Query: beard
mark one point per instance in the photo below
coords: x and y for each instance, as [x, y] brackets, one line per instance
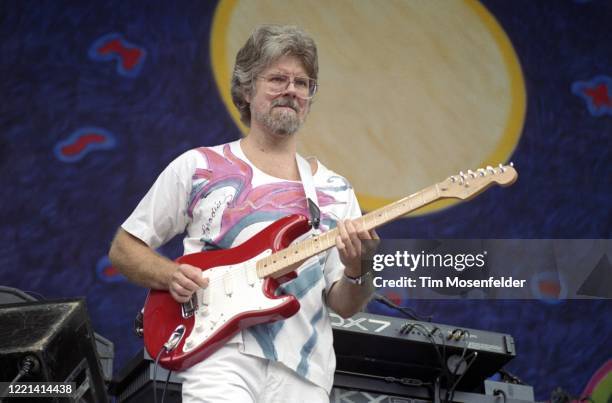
[280, 121]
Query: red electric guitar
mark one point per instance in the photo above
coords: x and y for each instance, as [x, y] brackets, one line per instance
[242, 280]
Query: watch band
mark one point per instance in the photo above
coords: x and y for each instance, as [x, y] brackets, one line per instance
[357, 280]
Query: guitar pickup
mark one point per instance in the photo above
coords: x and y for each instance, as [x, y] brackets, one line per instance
[228, 284]
[205, 301]
[205, 293]
[251, 275]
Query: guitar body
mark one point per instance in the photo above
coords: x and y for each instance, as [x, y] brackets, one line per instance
[236, 298]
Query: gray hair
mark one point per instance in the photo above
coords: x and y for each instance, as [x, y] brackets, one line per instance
[267, 44]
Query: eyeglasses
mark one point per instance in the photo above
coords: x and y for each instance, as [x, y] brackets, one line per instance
[305, 87]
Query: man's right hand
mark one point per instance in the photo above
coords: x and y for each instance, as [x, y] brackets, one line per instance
[186, 280]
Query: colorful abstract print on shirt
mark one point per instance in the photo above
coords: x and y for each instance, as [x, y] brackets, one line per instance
[250, 205]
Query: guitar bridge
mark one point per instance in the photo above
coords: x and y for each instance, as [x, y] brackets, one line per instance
[188, 308]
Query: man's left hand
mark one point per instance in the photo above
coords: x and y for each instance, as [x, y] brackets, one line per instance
[350, 245]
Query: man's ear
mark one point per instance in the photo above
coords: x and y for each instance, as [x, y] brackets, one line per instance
[247, 96]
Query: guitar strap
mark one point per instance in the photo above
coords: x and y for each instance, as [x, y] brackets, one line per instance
[310, 191]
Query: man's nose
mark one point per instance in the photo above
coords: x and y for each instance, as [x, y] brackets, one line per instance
[291, 88]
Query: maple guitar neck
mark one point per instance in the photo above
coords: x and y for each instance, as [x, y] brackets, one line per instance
[281, 263]
[461, 186]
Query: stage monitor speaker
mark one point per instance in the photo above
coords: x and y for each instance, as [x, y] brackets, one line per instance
[104, 347]
[58, 337]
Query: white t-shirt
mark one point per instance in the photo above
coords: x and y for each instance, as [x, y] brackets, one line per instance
[221, 199]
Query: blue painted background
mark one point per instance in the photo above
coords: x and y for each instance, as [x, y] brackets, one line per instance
[60, 206]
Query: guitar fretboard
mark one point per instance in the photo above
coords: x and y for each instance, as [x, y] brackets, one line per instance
[280, 263]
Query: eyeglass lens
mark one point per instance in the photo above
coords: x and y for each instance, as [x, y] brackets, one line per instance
[305, 87]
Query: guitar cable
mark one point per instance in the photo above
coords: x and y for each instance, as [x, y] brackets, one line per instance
[29, 365]
[403, 309]
[461, 334]
[161, 351]
[173, 341]
[390, 379]
[473, 357]
[444, 370]
[166, 386]
[429, 334]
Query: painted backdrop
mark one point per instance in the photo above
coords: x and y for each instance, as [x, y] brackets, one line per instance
[97, 97]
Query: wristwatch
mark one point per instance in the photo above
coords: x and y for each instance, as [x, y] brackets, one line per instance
[357, 280]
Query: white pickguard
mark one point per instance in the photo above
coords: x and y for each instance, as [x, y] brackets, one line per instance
[232, 290]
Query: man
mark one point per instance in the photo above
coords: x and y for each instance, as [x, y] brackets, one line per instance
[222, 196]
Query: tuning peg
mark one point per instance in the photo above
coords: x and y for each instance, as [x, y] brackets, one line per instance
[453, 179]
[511, 164]
[491, 169]
[501, 168]
[482, 172]
[461, 177]
[471, 173]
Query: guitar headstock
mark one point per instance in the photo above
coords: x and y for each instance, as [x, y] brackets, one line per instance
[467, 185]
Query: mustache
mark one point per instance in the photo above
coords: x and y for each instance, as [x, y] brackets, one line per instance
[292, 103]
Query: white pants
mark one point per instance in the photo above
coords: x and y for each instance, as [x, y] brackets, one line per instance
[231, 376]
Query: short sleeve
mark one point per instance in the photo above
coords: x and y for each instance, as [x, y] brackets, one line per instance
[162, 213]
[334, 268]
